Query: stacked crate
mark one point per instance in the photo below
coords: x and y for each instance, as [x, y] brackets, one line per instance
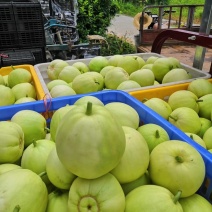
[22, 32]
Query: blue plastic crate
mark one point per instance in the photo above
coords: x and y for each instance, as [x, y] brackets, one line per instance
[146, 115]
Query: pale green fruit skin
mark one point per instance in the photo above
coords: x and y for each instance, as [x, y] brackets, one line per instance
[24, 89]
[207, 138]
[151, 59]
[160, 68]
[102, 194]
[55, 82]
[29, 185]
[5, 77]
[7, 96]
[25, 100]
[197, 139]
[144, 77]
[86, 99]
[97, 77]
[70, 84]
[114, 59]
[36, 154]
[33, 125]
[82, 67]
[183, 98]
[210, 150]
[11, 142]
[62, 90]
[115, 77]
[124, 114]
[98, 63]
[129, 63]
[135, 159]
[195, 203]
[58, 175]
[205, 124]
[105, 70]
[186, 119]
[175, 62]
[165, 170]
[141, 61]
[88, 82]
[91, 152]
[8, 167]
[147, 66]
[205, 106]
[57, 201]
[2, 80]
[200, 87]
[153, 134]
[159, 106]
[211, 114]
[68, 73]
[18, 75]
[56, 118]
[55, 67]
[128, 84]
[176, 74]
[156, 83]
[152, 198]
[142, 180]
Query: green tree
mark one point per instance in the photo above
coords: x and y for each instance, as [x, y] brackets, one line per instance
[95, 16]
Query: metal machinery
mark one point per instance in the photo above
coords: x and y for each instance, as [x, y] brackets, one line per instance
[36, 31]
[62, 38]
[22, 37]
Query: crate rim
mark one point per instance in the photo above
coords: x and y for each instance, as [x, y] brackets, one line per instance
[48, 103]
[206, 75]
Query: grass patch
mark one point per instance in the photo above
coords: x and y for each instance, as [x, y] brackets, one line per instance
[117, 45]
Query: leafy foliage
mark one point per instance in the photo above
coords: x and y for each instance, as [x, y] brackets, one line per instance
[117, 45]
[95, 16]
[157, 2]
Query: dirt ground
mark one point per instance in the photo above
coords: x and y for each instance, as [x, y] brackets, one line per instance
[123, 26]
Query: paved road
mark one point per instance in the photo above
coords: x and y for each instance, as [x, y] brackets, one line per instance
[122, 26]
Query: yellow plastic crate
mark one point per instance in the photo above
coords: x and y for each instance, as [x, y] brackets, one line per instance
[36, 82]
[160, 92]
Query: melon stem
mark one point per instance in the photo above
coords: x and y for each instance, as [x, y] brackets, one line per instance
[12, 67]
[97, 82]
[144, 100]
[172, 118]
[42, 174]
[58, 192]
[179, 159]
[17, 208]
[34, 143]
[199, 100]
[177, 196]
[89, 108]
[47, 129]
[157, 134]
